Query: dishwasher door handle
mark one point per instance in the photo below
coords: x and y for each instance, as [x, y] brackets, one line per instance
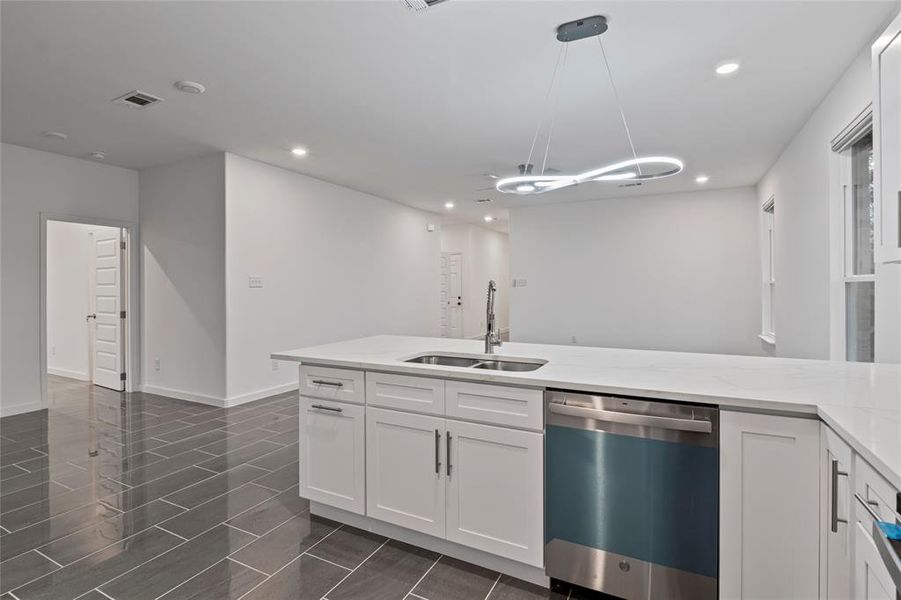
[695, 425]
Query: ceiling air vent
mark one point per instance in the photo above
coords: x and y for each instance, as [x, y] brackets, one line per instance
[137, 99]
[417, 5]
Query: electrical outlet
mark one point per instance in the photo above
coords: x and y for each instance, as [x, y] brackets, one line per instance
[156, 363]
[573, 340]
[275, 365]
[52, 350]
[254, 282]
[519, 283]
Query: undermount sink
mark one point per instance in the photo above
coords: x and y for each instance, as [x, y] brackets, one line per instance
[447, 361]
[488, 362]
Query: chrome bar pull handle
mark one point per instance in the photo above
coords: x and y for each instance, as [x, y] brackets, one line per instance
[328, 408]
[324, 382]
[449, 454]
[437, 452]
[868, 504]
[836, 473]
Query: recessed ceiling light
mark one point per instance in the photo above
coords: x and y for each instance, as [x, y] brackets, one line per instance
[727, 68]
[525, 187]
[190, 87]
[299, 151]
[702, 179]
[448, 205]
[488, 218]
[98, 155]
[56, 135]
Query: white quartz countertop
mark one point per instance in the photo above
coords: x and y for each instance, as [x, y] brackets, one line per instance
[861, 402]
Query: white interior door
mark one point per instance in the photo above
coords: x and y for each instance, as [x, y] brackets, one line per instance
[108, 339]
[452, 295]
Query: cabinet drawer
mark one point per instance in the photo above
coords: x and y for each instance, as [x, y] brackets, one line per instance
[332, 453]
[416, 394]
[495, 404]
[344, 385]
[875, 491]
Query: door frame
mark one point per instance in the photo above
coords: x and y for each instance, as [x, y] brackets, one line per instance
[130, 267]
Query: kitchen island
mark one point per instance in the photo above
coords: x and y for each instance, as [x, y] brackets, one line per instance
[830, 431]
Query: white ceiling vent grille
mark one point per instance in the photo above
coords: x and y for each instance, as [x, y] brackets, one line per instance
[417, 5]
[137, 99]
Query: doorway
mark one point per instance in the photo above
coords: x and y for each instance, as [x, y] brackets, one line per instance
[451, 294]
[85, 304]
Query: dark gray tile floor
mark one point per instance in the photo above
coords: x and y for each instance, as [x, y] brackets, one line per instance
[136, 496]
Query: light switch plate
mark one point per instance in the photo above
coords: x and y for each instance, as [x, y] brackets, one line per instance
[254, 282]
[519, 283]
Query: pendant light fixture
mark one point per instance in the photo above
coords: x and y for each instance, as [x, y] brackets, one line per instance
[637, 168]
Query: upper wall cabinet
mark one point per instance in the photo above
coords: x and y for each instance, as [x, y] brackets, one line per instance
[887, 140]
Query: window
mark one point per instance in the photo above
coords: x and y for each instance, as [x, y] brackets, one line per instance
[854, 271]
[768, 291]
[859, 276]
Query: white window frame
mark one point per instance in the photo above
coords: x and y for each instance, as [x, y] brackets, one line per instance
[841, 234]
[768, 271]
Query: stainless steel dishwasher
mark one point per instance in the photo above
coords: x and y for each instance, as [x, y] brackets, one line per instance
[632, 495]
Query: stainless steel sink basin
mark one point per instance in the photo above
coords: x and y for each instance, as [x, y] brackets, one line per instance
[447, 361]
[487, 362]
[507, 365]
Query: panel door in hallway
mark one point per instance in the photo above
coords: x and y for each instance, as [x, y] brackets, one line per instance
[451, 295]
[107, 336]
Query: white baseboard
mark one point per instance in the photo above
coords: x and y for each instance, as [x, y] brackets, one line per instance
[251, 396]
[219, 402]
[79, 375]
[17, 409]
[182, 395]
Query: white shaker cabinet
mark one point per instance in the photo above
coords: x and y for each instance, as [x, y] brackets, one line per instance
[495, 497]
[873, 497]
[332, 465]
[837, 518]
[406, 472]
[769, 500]
[886, 61]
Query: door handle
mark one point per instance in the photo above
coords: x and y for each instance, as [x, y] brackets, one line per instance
[695, 425]
[328, 408]
[448, 453]
[835, 475]
[437, 452]
[323, 382]
[91, 316]
[869, 504]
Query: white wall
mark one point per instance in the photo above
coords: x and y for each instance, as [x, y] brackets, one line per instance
[486, 256]
[68, 298]
[183, 288]
[800, 182]
[671, 272]
[335, 264]
[34, 182]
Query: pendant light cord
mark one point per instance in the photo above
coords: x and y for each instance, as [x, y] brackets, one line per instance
[544, 105]
[619, 103]
[550, 131]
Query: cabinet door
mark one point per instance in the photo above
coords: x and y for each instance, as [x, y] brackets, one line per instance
[332, 453]
[886, 60]
[405, 475]
[769, 506]
[836, 526]
[495, 492]
[871, 579]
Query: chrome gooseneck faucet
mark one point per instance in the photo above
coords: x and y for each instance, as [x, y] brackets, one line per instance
[492, 335]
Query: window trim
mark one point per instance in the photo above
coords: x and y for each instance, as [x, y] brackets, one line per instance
[841, 234]
[768, 271]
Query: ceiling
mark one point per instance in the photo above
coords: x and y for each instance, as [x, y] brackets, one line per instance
[418, 107]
